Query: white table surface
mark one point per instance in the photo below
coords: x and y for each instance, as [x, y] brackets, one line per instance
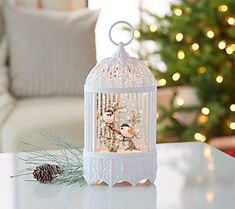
[190, 176]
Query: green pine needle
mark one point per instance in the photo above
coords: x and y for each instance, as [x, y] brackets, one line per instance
[67, 157]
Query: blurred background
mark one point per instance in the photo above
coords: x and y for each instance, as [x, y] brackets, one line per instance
[188, 44]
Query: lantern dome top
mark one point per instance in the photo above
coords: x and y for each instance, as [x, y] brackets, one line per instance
[120, 72]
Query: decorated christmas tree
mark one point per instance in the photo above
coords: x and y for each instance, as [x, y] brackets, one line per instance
[196, 43]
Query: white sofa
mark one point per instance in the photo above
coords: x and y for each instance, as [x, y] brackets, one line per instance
[31, 118]
[27, 119]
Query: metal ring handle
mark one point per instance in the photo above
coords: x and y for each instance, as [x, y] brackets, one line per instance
[121, 22]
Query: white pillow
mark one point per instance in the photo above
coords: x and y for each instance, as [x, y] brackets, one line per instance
[51, 52]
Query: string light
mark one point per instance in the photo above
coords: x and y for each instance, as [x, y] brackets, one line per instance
[209, 197]
[202, 119]
[232, 125]
[210, 34]
[232, 107]
[178, 12]
[199, 137]
[231, 21]
[223, 8]
[176, 76]
[180, 101]
[195, 46]
[233, 46]
[162, 82]
[179, 37]
[210, 166]
[153, 28]
[201, 70]
[222, 45]
[229, 50]
[181, 54]
[137, 34]
[205, 111]
[219, 79]
[207, 152]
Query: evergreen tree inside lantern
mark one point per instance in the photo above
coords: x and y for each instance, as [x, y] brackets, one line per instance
[120, 120]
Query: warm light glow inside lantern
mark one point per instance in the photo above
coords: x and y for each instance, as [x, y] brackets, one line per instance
[120, 120]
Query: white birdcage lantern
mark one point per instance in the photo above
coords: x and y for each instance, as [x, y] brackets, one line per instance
[120, 120]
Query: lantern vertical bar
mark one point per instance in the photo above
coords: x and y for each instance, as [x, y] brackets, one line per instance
[154, 106]
[149, 121]
[101, 113]
[90, 119]
[87, 115]
[97, 121]
[93, 127]
[85, 122]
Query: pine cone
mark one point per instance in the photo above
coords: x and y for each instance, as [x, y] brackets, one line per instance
[46, 172]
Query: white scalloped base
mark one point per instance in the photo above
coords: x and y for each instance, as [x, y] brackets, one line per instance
[112, 168]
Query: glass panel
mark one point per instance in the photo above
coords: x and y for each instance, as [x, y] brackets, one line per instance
[121, 124]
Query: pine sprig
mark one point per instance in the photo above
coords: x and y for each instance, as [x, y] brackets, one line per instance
[67, 157]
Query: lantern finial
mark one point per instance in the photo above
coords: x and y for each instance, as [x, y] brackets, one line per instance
[121, 52]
